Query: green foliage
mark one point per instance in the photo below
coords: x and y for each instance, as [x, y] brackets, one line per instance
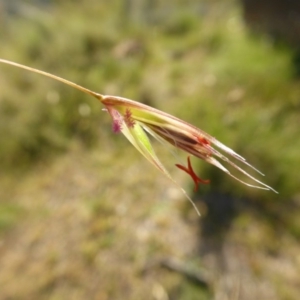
[235, 74]
[9, 215]
[202, 67]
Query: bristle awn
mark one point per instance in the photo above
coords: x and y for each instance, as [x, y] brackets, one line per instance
[250, 176]
[263, 187]
[224, 158]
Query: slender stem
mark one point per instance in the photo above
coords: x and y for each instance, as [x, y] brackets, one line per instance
[70, 83]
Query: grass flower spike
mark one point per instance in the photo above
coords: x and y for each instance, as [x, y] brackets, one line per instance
[136, 120]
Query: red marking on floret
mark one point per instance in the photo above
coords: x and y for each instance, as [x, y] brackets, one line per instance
[189, 170]
[203, 140]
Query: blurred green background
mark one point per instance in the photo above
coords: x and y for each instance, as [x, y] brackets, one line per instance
[83, 215]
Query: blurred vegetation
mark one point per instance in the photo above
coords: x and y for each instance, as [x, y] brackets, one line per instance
[193, 59]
